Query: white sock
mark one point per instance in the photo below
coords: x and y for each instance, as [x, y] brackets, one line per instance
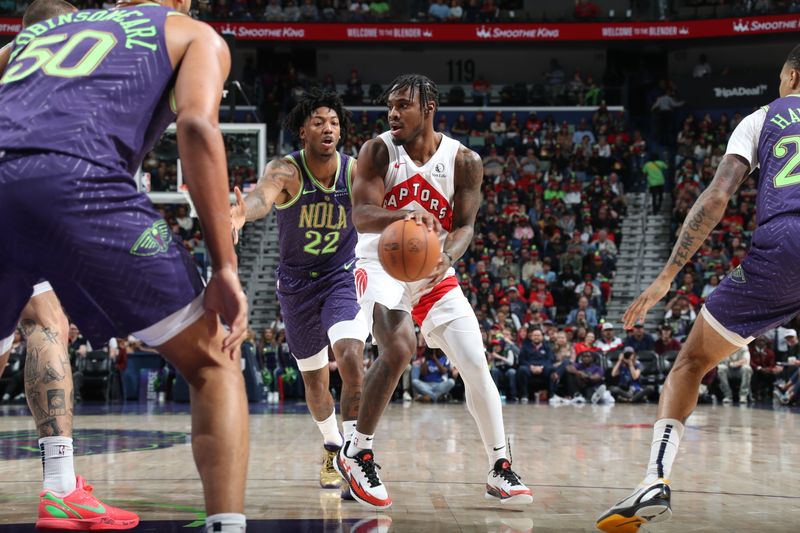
[667, 434]
[348, 427]
[360, 441]
[226, 523]
[59, 471]
[461, 342]
[330, 430]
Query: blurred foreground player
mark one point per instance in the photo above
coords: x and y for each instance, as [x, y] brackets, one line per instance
[48, 379]
[412, 172]
[81, 100]
[310, 189]
[758, 295]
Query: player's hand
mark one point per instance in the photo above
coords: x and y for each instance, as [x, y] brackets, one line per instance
[423, 218]
[650, 297]
[226, 299]
[238, 215]
[439, 272]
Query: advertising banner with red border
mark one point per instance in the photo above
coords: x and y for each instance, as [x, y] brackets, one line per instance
[533, 32]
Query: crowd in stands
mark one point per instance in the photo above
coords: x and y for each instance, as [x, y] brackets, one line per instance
[444, 11]
[540, 270]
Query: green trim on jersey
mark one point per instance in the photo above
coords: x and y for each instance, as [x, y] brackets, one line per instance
[314, 179]
[350, 164]
[293, 200]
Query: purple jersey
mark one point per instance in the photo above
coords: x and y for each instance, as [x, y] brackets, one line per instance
[315, 227]
[779, 159]
[93, 84]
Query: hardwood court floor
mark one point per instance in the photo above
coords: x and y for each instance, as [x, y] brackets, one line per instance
[738, 469]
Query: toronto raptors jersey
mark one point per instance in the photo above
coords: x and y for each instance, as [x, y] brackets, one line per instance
[409, 187]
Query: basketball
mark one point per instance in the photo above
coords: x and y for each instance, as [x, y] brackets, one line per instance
[407, 251]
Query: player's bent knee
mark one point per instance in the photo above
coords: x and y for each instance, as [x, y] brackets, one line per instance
[398, 353]
[196, 348]
[45, 310]
[216, 376]
[693, 364]
[315, 379]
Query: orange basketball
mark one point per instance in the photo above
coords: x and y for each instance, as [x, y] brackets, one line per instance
[408, 252]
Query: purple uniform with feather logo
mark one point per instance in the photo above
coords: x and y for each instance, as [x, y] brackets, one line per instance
[764, 291]
[83, 98]
[316, 287]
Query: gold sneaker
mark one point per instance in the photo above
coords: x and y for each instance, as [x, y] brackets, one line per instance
[329, 478]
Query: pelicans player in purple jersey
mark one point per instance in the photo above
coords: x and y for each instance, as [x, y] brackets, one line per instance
[760, 294]
[310, 189]
[83, 97]
[48, 372]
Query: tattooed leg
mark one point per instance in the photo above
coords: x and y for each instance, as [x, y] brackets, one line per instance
[48, 375]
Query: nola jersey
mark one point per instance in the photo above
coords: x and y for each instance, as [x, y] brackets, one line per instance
[769, 138]
[94, 85]
[409, 187]
[315, 227]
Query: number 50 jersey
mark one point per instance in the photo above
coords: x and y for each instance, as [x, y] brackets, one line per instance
[94, 84]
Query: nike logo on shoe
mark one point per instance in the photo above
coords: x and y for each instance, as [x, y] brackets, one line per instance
[99, 509]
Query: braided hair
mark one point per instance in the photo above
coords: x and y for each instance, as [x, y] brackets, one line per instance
[428, 92]
[314, 99]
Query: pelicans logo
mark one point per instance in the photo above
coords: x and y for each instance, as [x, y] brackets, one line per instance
[153, 241]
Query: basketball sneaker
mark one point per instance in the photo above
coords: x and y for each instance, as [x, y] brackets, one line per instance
[648, 503]
[81, 511]
[505, 485]
[329, 478]
[361, 474]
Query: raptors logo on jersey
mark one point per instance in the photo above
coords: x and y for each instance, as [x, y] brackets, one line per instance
[417, 189]
[429, 187]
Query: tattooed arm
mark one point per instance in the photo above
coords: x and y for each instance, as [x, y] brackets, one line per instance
[706, 213]
[703, 217]
[466, 202]
[279, 184]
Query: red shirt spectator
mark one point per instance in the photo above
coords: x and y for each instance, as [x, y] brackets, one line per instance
[541, 294]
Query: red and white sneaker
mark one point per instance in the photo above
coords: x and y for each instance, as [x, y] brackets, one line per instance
[505, 485]
[80, 511]
[361, 474]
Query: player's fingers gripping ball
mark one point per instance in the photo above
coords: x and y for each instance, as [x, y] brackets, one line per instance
[408, 251]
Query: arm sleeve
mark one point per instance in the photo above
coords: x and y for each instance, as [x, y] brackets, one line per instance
[744, 139]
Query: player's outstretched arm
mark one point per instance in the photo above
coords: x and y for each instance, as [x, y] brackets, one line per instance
[273, 186]
[703, 217]
[204, 66]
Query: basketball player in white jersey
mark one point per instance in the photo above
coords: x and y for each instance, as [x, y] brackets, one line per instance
[412, 172]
